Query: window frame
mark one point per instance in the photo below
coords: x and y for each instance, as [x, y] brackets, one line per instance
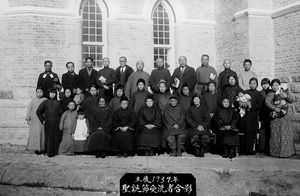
[103, 44]
[170, 46]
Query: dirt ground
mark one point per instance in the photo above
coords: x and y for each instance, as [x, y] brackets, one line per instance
[22, 173]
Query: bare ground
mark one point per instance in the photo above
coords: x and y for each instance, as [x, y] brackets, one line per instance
[22, 173]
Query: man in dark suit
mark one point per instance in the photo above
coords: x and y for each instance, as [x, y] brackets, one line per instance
[48, 79]
[123, 72]
[105, 79]
[183, 74]
[70, 79]
[87, 75]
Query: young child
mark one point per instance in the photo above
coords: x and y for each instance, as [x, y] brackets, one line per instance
[36, 139]
[89, 102]
[175, 131]
[123, 131]
[64, 102]
[49, 113]
[226, 118]
[98, 141]
[138, 98]
[114, 103]
[79, 97]
[198, 120]
[185, 99]
[149, 128]
[162, 98]
[81, 132]
[68, 125]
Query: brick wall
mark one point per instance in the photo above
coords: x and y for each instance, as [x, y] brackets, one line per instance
[287, 55]
[190, 37]
[37, 3]
[287, 44]
[231, 34]
[132, 39]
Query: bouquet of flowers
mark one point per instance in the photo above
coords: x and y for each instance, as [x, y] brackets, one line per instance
[244, 101]
[281, 103]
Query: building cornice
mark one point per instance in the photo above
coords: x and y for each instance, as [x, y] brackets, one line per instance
[286, 10]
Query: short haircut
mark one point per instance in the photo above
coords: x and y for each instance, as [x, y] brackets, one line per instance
[205, 55]
[124, 58]
[69, 63]
[48, 61]
[39, 88]
[247, 60]
[89, 58]
[101, 97]
[265, 81]
[254, 79]
[80, 112]
[72, 101]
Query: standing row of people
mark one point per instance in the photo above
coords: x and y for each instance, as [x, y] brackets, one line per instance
[182, 110]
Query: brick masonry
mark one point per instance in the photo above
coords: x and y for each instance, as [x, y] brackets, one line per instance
[235, 29]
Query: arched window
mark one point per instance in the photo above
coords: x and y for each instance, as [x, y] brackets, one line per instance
[161, 33]
[92, 32]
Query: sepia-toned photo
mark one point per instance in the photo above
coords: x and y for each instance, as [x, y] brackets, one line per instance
[150, 97]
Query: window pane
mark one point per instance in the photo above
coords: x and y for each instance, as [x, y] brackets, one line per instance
[85, 38]
[93, 51]
[161, 33]
[92, 31]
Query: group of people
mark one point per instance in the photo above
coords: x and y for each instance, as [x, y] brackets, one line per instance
[124, 112]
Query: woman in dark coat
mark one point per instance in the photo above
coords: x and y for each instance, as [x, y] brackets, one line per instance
[66, 99]
[49, 113]
[211, 98]
[100, 127]
[175, 126]
[90, 102]
[149, 128]
[138, 98]
[226, 118]
[198, 118]
[114, 103]
[232, 89]
[249, 123]
[185, 99]
[123, 129]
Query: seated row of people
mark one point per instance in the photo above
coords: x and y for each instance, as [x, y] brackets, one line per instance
[147, 124]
